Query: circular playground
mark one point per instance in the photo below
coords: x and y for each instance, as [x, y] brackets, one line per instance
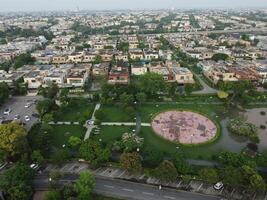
[184, 127]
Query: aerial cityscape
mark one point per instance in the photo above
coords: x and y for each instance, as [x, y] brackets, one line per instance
[133, 100]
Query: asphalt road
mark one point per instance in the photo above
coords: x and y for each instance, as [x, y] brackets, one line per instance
[17, 106]
[128, 190]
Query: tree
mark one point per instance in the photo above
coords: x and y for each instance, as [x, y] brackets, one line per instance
[141, 97]
[180, 163]
[232, 176]
[131, 142]
[220, 56]
[37, 157]
[93, 152]
[60, 156]
[17, 182]
[47, 118]
[12, 138]
[152, 84]
[166, 171]
[257, 183]
[209, 175]
[45, 106]
[126, 99]
[20, 191]
[123, 46]
[189, 88]
[23, 59]
[84, 185]
[74, 141]
[4, 92]
[131, 162]
[153, 158]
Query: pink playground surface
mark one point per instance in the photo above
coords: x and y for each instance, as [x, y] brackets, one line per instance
[184, 127]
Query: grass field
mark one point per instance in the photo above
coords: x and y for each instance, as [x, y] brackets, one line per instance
[75, 111]
[61, 133]
[116, 114]
[152, 141]
[109, 134]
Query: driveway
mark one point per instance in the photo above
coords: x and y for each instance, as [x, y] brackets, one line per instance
[206, 88]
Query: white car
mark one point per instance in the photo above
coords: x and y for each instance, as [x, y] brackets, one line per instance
[7, 111]
[218, 186]
[16, 117]
[34, 166]
[27, 118]
[3, 165]
[27, 105]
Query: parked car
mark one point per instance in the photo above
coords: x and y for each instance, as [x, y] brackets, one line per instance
[35, 115]
[16, 117]
[7, 111]
[3, 165]
[27, 105]
[27, 118]
[34, 166]
[218, 186]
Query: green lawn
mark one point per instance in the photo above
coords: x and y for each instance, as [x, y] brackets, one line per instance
[109, 134]
[147, 112]
[61, 133]
[116, 114]
[78, 109]
[152, 141]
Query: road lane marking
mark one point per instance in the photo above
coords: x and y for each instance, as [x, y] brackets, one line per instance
[108, 186]
[128, 190]
[148, 193]
[168, 197]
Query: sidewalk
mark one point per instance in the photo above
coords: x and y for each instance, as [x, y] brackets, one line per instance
[91, 127]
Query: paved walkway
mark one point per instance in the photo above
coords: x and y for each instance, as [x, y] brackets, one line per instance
[206, 88]
[64, 123]
[90, 127]
[123, 124]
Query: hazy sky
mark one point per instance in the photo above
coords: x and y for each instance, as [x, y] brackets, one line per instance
[31, 5]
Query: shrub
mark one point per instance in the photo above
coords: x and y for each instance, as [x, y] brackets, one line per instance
[240, 127]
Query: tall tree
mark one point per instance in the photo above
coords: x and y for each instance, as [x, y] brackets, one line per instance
[84, 185]
[4, 92]
[12, 138]
[93, 152]
[131, 162]
[152, 83]
[165, 171]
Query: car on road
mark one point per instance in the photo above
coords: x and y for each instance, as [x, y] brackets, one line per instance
[218, 186]
[7, 111]
[27, 118]
[16, 117]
